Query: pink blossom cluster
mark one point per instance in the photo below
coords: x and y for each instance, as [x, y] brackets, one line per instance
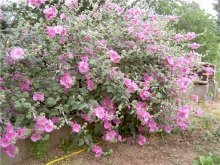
[194, 45]
[25, 85]
[182, 117]
[142, 114]
[37, 96]
[36, 3]
[8, 140]
[171, 18]
[17, 53]
[106, 113]
[209, 70]
[115, 58]
[130, 85]
[183, 83]
[114, 7]
[42, 125]
[66, 81]
[97, 150]
[52, 31]
[153, 49]
[141, 140]
[75, 127]
[50, 13]
[83, 66]
[71, 3]
[133, 13]
[195, 98]
[185, 37]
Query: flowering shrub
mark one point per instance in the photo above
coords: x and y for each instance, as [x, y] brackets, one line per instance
[114, 72]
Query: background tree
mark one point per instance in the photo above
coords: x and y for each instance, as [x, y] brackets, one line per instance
[194, 19]
[217, 8]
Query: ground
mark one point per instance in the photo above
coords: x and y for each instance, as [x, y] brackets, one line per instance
[176, 149]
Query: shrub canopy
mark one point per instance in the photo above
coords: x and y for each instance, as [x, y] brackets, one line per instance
[114, 71]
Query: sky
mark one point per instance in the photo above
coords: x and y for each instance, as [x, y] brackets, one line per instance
[206, 5]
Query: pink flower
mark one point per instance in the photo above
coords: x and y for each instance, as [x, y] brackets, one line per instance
[198, 112]
[5, 142]
[90, 85]
[110, 135]
[152, 126]
[141, 140]
[38, 96]
[62, 58]
[71, 3]
[11, 151]
[1, 80]
[131, 86]
[89, 51]
[168, 128]
[100, 112]
[17, 53]
[62, 16]
[179, 38]
[49, 126]
[55, 120]
[10, 135]
[51, 32]
[195, 98]
[171, 18]
[35, 137]
[115, 58]
[60, 30]
[107, 125]
[86, 38]
[25, 85]
[83, 66]
[22, 133]
[82, 17]
[86, 117]
[97, 150]
[36, 3]
[170, 60]
[62, 40]
[190, 36]
[66, 81]
[152, 49]
[145, 95]
[75, 127]
[141, 112]
[69, 55]
[183, 125]
[43, 124]
[183, 112]
[50, 13]
[148, 78]
[194, 46]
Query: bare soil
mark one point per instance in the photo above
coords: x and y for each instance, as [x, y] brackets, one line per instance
[175, 149]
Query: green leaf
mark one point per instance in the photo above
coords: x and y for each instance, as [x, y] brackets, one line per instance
[206, 160]
[83, 91]
[26, 94]
[51, 101]
[26, 105]
[81, 142]
[17, 105]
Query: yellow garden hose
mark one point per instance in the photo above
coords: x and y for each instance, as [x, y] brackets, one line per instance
[66, 156]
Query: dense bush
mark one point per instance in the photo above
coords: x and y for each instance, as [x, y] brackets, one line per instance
[114, 72]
